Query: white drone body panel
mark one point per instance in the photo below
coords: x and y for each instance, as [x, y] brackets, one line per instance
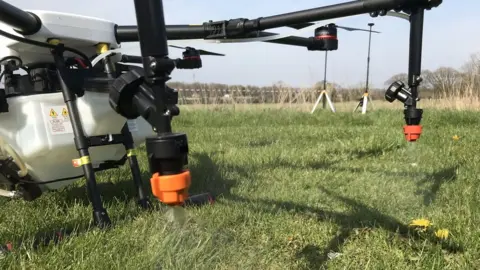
[75, 31]
[35, 128]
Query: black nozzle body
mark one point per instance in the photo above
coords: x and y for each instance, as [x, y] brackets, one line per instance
[413, 116]
[131, 97]
[398, 91]
[167, 153]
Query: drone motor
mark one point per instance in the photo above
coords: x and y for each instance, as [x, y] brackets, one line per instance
[325, 38]
[328, 34]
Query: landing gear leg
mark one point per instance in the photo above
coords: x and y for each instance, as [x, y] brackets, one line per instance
[100, 215]
[133, 162]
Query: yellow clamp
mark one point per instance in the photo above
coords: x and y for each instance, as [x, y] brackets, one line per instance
[81, 161]
[102, 47]
[54, 41]
[365, 94]
[131, 152]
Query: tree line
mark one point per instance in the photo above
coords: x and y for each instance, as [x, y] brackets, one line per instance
[447, 82]
[443, 82]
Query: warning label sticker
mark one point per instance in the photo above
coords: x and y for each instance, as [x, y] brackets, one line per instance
[53, 113]
[58, 121]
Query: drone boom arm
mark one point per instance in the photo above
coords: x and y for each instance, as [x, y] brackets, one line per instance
[333, 11]
[21, 21]
[129, 33]
[241, 27]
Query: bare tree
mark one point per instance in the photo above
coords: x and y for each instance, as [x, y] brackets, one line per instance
[445, 81]
[397, 77]
[471, 76]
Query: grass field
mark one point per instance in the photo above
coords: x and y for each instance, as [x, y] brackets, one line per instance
[295, 191]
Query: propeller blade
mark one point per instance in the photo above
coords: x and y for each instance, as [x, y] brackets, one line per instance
[201, 52]
[300, 25]
[303, 25]
[178, 47]
[355, 29]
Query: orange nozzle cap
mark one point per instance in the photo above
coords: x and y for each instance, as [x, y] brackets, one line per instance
[412, 132]
[171, 189]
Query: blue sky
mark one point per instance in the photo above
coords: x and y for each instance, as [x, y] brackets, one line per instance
[448, 40]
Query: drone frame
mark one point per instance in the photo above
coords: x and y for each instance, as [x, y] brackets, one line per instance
[167, 152]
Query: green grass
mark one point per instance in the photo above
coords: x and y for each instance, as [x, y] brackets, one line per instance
[291, 188]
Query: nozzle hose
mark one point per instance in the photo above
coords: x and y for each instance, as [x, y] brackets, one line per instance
[199, 200]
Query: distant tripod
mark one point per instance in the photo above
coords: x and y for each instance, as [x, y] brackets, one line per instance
[366, 97]
[324, 91]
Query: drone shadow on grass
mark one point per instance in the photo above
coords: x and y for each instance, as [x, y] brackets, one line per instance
[439, 178]
[124, 189]
[209, 178]
[362, 217]
[204, 171]
[354, 153]
[374, 151]
[71, 228]
[435, 179]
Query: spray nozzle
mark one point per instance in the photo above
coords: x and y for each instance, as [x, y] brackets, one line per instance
[412, 132]
[412, 129]
[413, 116]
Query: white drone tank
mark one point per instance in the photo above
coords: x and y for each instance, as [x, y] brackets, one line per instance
[38, 130]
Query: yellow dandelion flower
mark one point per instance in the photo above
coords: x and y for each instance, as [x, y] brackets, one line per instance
[442, 234]
[420, 223]
[456, 138]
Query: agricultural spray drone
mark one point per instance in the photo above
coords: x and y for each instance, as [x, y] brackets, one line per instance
[58, 111]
